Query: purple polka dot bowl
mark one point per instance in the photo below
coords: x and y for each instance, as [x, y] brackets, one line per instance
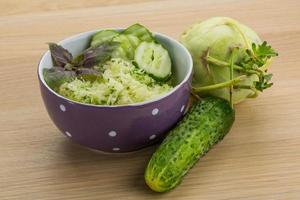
[119, 128]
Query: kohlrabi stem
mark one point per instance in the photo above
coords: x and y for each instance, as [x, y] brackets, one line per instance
[195, 95]
[266, 65]
[237, 28]
[246, 41]
[219, 85]
[221, 63]
[231, 75]
[247, 87]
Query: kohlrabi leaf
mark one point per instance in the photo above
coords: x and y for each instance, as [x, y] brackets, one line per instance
[257, 59]
[263, 50]
[258, 55]
[55, 76]
[264, 82]
[60, 55]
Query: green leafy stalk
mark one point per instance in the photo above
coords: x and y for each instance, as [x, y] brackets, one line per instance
[225, 84]
[261, 53]
[248, 87]
[255, 62]
[236, 27]
[231, 75]
[221, 63]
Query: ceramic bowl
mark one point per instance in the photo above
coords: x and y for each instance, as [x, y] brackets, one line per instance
[120, 128]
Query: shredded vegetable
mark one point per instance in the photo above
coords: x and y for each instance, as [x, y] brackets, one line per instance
[121, 83]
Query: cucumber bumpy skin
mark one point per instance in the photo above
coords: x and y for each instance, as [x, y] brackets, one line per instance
[208, 121]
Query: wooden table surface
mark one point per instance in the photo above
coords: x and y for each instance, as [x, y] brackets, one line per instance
[259, 158]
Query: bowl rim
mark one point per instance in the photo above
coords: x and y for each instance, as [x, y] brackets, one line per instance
[74, 37]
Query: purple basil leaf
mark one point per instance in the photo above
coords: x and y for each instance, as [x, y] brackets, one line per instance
[98, 54]
[60, 55]
[56, 76]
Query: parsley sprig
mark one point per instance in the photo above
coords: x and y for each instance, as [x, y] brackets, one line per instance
[256, 59]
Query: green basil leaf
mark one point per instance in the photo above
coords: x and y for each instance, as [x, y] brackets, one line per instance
[56, 76]
[88, 74]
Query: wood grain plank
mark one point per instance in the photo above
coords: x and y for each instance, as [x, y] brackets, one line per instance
[18, 7]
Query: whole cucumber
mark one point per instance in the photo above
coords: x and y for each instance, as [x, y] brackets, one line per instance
[207, 122]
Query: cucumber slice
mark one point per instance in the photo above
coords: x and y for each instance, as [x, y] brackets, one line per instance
[119, 53]
[125, 45]
[154, 59]
[102, 36]
[139, 31]
[134, 41]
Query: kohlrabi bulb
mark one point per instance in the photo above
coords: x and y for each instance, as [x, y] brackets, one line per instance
[214, 39]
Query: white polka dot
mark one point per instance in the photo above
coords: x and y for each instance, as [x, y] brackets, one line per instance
[112, 133]
[182, 108]
[116, 149]
[152, 137]
[68, 134]
[62, 108]
[155, 111]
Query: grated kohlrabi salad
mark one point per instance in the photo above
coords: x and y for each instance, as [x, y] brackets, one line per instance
[121, 83]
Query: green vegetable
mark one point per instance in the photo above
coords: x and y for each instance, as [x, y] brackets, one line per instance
[126, 45]
[103, 36]
[124, 49]
[104, 74]
[211, 44]
[139, 31]
[97, 54]
[154, 59]
[56, 76]
[208, 121]
[120, 83]
[134, 40]
[129, 39]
